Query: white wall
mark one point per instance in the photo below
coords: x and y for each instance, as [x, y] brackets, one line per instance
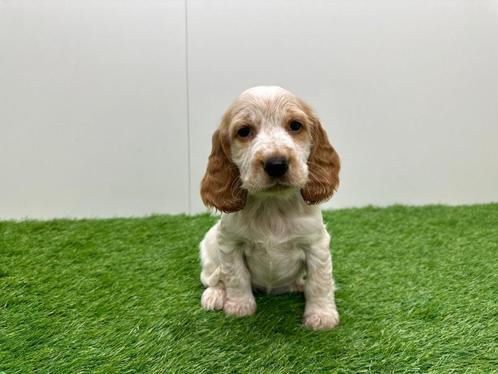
[95, 119]
[92, 108]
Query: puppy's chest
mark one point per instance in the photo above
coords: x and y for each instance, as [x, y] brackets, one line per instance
[276, 237]
[274, 264]
[274, 248]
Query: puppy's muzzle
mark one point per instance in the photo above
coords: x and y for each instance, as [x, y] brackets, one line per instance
[276, 166]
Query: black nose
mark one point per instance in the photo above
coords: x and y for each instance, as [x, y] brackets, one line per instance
[276, 167]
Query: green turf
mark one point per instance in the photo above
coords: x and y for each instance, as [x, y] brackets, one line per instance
[417, 292]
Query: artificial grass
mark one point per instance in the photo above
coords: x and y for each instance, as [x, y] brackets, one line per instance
[417, 292]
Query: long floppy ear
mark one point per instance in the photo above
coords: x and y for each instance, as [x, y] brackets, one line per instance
[221, 185]
[323, 165]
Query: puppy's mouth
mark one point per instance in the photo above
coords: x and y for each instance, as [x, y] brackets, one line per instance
[278, 186]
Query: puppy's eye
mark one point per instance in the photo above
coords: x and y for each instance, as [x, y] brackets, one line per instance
[244, 132]
[295, 126]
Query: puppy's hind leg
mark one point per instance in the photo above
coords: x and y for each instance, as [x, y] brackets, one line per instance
[213, 297]
[298, 286]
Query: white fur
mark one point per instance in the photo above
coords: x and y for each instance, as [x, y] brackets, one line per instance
[276, 243]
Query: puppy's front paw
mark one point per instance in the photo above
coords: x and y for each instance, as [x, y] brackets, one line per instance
[240, 307]
[213, 298]
[321, 319]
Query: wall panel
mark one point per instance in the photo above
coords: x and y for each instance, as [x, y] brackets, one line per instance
[92, 108]
[406, 89]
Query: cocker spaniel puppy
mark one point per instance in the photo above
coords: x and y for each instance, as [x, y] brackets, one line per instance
[270, 165]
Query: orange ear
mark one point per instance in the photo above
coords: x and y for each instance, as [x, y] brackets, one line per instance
[323, 165]
[221, 185]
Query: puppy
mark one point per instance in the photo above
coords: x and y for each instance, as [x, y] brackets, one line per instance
[270, 165]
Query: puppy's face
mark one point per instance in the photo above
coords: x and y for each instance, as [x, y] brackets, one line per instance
[269, 142]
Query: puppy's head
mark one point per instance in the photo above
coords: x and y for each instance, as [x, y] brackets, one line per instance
[269, 142]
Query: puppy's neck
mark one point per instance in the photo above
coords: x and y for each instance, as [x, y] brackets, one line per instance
[272, 203]
[275, 216]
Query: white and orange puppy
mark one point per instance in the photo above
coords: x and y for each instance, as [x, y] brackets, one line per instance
[270, 164]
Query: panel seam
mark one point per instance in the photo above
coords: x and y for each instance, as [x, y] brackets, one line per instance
[187, 97]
